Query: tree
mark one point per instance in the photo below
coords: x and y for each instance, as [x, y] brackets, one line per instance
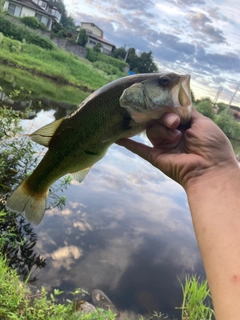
[82, 37]
[204, 106]
[146, 63]
[142, 63]
[119, 53]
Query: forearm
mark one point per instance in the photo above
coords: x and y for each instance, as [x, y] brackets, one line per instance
[215, 206]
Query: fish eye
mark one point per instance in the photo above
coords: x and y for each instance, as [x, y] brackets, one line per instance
[164, 80]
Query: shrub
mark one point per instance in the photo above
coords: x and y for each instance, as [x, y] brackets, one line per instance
[61, 34]
[205, 108]
[108, 69]
[82, 37]
[20, 33]
[42, 42]
[31, 22]
[228, 124]
[92, 55]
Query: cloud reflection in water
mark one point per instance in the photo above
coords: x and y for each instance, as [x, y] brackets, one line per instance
[125, 230]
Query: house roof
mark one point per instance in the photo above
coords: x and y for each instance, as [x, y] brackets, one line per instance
[32, 5]
[92, 24]
[100, 39]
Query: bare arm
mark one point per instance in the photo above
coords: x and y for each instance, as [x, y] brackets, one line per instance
[201, 159]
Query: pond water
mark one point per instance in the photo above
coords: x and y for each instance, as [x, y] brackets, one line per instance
[125, 230]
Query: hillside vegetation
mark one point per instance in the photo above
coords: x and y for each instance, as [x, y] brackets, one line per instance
[60, 65]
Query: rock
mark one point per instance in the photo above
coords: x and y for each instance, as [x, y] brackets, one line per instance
[100, 300]
[84, 307]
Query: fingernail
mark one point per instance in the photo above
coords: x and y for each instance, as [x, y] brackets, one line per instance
[174, 133]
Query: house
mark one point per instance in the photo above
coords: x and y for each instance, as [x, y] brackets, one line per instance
[95, 36]
[43, 10]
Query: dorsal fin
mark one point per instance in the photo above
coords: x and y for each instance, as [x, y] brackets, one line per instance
[45, 134]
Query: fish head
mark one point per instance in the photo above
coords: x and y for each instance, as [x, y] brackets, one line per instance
[151, 98]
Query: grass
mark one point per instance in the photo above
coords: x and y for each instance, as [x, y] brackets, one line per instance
[39, 87]
[17, 302]
[195, 296]
[57, 64]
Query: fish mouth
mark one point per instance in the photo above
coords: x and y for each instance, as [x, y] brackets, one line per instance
[181, 97]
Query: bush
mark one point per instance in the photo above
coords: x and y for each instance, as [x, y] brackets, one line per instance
[20, 33]
[106, 62]
[42, 42]
[108, 69]
[205, 108]
[61, 34]
[92, 55]
[228, 124]
[31, 22]
[82, 38]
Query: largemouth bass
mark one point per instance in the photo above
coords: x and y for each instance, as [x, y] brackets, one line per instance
[122, 108]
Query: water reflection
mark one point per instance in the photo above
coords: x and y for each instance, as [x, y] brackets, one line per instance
[125, 230]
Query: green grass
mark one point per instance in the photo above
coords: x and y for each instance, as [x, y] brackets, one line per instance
[17, 302]
[58, 64]
[39, 87]
[195, 294]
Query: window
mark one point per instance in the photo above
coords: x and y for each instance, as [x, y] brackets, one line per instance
[92, 42]
[43, 4]
[14, 10]
[42, 19]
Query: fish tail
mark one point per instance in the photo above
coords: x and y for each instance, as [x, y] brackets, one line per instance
[33, 204]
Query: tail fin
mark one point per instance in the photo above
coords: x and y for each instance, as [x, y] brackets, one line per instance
[33, 205]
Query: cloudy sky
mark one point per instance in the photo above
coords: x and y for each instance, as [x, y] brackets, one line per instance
[200, 37]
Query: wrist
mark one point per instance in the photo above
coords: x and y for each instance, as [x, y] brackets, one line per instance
[205, 179]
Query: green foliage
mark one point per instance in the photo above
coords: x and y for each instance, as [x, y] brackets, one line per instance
[17, 301]
[3, 12]
[82, 37]
[22, 33]
[108, 68]
[97, 47]
[106, 63]
[222, 106]
[205, 107]
[62, 34]
[225, 120]
[18, 157]
[57, 64]
[32, 22]
[195, 296]
[146, 63]
[142, 63]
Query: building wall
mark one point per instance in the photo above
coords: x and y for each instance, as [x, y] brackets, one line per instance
[94, 29]
[106, 48]
[27, 12]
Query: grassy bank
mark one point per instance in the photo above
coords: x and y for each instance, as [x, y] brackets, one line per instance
[56, 64]
[17, 302]
[36, 87]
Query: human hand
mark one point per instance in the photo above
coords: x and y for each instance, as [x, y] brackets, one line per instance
[186, 153]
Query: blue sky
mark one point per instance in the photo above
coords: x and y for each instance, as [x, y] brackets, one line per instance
[200, 37]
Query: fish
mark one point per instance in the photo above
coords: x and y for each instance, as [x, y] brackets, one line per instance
[120, 109]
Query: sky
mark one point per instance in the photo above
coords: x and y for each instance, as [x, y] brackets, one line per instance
[197, 37]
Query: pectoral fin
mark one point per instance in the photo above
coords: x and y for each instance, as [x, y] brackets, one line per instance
[115, 131]
[45, 134]
[80, 175]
